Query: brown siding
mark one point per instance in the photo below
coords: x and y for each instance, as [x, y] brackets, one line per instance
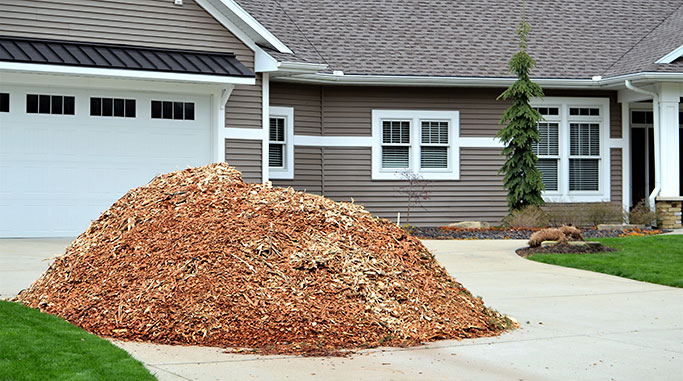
[156, 23]
[616, 176]
[307, 171]
[245, 155]
[244, 109]
[307, 103]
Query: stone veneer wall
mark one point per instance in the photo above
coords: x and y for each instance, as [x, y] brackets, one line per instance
[669, 213]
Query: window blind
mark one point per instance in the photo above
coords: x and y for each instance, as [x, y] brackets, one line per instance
[584, 139]
[434, 132]
[584, 174]
[395, 157]
[548, 169]
[277, 129]
[548, 144]
[395, 132]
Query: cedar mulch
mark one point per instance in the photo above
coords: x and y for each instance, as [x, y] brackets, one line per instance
[199, 257]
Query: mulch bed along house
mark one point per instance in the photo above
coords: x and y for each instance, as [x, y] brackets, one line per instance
[445, 232]
[199, 257]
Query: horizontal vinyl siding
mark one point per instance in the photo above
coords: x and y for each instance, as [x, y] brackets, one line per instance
[306, 101]
[307, 171]
[156, 23]
[244, 109]
[616, 176]
[478, 195]
[245, 155]
[347, 111]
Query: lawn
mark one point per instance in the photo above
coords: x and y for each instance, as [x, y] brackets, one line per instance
[655, 259]
[38, 346]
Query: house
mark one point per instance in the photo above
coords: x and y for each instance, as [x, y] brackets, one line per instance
[335, 98]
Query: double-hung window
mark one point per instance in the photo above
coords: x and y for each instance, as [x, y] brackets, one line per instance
[395, 144]
[420, 142]
[572, 154]
[281, 143]
[548, 147]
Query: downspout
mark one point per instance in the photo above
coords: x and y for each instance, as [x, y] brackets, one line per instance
[658, 146]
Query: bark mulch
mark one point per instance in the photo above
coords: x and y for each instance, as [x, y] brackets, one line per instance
[445, 232]
[199, 257]
[564, 249]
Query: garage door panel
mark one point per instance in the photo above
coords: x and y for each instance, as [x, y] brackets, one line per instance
[57, 173]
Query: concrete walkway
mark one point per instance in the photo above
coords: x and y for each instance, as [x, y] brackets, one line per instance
[575, 325]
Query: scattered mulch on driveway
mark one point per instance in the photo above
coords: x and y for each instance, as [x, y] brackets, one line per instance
[200, 257]
[445, 232]
[564, 249]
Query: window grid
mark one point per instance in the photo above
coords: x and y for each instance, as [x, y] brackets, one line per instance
[50, 104]
[584, 156]
[548, 152]
[395, 144]
[4, 102]
[173, 110]
[114, 107]
[278, 142]
[435, 143]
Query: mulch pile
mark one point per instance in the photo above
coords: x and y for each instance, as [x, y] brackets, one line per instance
[200, 257]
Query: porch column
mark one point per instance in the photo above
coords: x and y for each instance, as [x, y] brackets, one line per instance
[669, 95]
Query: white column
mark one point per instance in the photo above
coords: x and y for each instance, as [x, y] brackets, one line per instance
[670, 95]
[626, 155]
[265, 115]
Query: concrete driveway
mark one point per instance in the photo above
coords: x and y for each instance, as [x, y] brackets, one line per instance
[575, 325]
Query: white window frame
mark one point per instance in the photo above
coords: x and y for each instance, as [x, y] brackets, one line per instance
[286, 172]
[452, 172]
[555, 119]
[603, 194]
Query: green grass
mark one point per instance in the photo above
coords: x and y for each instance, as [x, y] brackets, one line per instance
[655, 259]
[38, 346]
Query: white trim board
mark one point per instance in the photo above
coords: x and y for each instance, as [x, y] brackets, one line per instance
[244, 133]
[123, 74]
[288, 171]
[671, 56]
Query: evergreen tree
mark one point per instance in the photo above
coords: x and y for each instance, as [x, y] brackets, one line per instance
[520, 132]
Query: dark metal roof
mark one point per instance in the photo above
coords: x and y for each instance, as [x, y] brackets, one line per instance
[109, 56]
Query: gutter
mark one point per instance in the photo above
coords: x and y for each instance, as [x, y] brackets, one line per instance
[444, 81]
[658, 147]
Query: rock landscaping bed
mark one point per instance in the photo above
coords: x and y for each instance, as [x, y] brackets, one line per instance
[445, 232]
[199, 257]
[565, 249]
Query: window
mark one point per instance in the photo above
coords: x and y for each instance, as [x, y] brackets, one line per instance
[584, 156]
[572, 157]
[395, 144]
[50, 104]
[121, 108]
[434, 147]
[420, 142]
[4, 102]
[172, 110]
[281, 143]
[276, 152]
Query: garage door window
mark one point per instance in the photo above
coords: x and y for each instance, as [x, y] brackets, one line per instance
[4, 102]
[50, 104]
[116, 107]
[172, 110]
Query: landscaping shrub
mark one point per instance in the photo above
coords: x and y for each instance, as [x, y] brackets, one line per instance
[641, 214]
[584, 214]
[527, 218]
[605, 213]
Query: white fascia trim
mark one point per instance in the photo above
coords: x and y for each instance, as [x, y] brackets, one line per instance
[288, 171]
[244, 133]
[548, 83]
[453, 117]
[124, 74]
[564, 195]
[388, 80]
[250, 22]
[671, 57]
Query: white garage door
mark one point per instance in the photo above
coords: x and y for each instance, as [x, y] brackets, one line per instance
[60, 171]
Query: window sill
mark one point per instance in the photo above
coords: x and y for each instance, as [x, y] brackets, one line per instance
[280, 174]
[576, 198]
[397, 175]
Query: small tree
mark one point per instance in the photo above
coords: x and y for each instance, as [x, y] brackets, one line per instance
[415, 187]
[520, 132]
